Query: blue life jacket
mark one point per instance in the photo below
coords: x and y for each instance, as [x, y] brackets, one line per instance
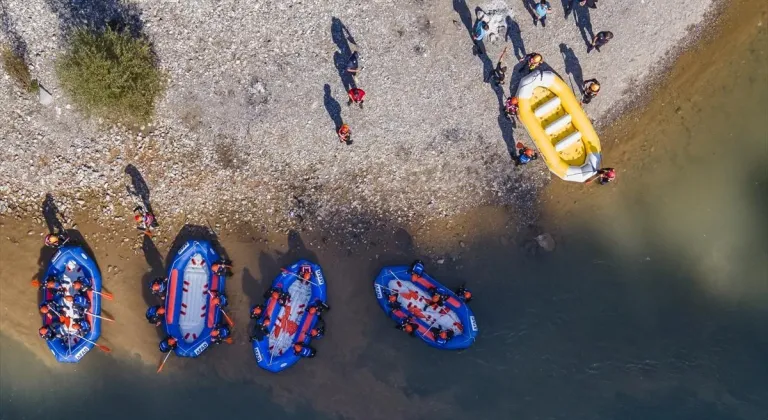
[523, 159]
[165, 347]
[305, 352]
[418, 268]
[81, 301]
[85, 327]
[224, 332]
[162, 287]
[152, 313]
[441, 341]
[222, 300]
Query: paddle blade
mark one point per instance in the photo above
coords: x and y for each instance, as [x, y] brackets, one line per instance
[159, 368]
[229, 320]
[229, 340]
[104, 348]
[106, 295]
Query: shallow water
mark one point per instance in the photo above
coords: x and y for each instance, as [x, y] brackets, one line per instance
[653, 306]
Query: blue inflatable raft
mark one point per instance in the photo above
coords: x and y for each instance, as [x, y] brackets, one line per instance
[189, 316]
[291, 323]
[69, 264]
[413, 293]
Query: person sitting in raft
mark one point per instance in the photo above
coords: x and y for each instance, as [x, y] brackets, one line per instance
[257, 311]
[303, 350]
[218, 299]
[280, 296]
[158, 287]
[155, 315]
[81, 285]
[408, 326]
[47, 333]
[222, 268]
[417, 268]
[393, 303]
[441, 336]
[168, 344]
[220, 333]
[436, 299]
[49, 310]
[305, 273]
[464, 294]
[319, 330]
[51, 284]
[81, 327]
[318, 307]
[55, 240]
[259, 332]
[80, 303]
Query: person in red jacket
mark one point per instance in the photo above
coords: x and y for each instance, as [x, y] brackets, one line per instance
[357, 96]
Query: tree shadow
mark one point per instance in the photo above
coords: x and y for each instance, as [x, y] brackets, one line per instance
[572, 66]
[460, 6]
[51, 214]
[97, 15]
[332, 106]
[140, 187]
[515, 35]
[8, 28]
[342, 38]
[584, 23]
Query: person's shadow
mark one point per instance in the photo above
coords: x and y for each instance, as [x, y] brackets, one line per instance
[567, 7]
[140, 187]
[460, 6]
[584, 23]
[51, 214]
[572, 66]
[515, 35]
[342, 38]
[332, 106]
[530, 6]
[156, 269]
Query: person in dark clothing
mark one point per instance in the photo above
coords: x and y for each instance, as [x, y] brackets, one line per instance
[592, 4]
[55, 240]
[155, 315]
[319, 330]
[499, 74]
[606, 175]
[220, 333]
[257, 311]
[464, 294]
[524, 155]
[218, 299]
[408, 325]
[532, 62]
[441, 336]
[600, 39]
[158, 286]
[591, 88]
[353, 66]
[318, 307]
[304, 350]
[436, 299]
[168, 344]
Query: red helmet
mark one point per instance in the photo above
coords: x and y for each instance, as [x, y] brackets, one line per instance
[528, 152]
[43, 330]
[435, 298]
[306, 275]
[257, 310]
[215, 333]
[215, 301]
[155, 287]
[297, 347]
[415, 277]
[392, 298]
[69, 298]
[408, 328]
[444, 334]
[467, 294]
[77, 284]
[266, 322]
[171, 340]
[215, 267]
[313, 332]
[312, 309]
[44, 309]
[76, 326]
[513, 100]
[137, 218]
[611, 173]
[275, 295]
[161, 311]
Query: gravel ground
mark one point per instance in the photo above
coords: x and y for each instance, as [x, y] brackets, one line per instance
[246, 130]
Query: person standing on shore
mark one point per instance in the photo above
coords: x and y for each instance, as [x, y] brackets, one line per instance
[541, 10]
[590, 88]
[479, 32]
[511, 108]
[357, 96]
[600, 39]
[524, 154]
[345, 134]
[500, 72]
[532, 61]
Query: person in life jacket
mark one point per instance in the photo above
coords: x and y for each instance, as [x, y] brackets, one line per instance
[81, 285]
[168, 344]
[49, 311]
[441, 336]
[319, 330]
[408, 325]
[50, 284]
[277, 294]
[145, 220]
[221, 268]
[606, 175]
[511, 108]
[220, 333]
[591, 88]
[417, 268]
[393, 303]
[218, 299]
[55, 240]
[303, 350]
[257, 311]
[47, 333]
[357, 96]
[532, 61]
[345, 134]
[436, 299]
[158, 287]
[318, 307]
[80, 302]
[464, 294]
[305, 273]
[525, 154]
[155, 315]
[81, 327]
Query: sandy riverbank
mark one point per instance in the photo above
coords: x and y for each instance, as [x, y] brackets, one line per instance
[246, 128]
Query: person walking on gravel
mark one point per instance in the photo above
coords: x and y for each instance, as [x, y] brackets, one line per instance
[590, 88]
[541, 10]
[600, 39]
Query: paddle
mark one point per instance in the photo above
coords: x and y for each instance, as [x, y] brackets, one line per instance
[285, 271]
[103, 348]
[165, 359]
[100, 317]
[107, 295]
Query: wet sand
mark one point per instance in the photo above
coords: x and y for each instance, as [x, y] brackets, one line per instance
[589, 331]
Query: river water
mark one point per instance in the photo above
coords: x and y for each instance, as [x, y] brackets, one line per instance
[653, 306]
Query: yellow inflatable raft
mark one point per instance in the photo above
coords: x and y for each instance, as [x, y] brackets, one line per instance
[558, 125]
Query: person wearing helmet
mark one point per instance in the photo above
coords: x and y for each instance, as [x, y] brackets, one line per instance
[259, 332]
[464, 294]
[81, 327]
[47, 333]
[417, 267]
[55, 240]
[591, 88]
[158, 287]
[303, 350]
[441, 336]
[318, 307]
[408, 325]
[525, 154]
[277, 294]
[436, 299]
[80, 302]
[305, 273]
[511, 108]
[220, 333]
[345, 134]
[319, 330]
[600, 39]
[221, 268]
[145, 220]
[532, 61]
[257, 311]
[49, 312]
[155, 315]
[81, 285]
[357, 96]
[606, 175]
[218, 299]
[168, 344]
